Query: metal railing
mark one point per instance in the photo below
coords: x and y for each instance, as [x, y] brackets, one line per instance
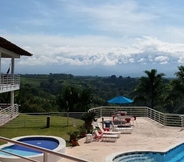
[165, 119]
[46, 152]
[9, 82]
[40, 120]
[8, 113]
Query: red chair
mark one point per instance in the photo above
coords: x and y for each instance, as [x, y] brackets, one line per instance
[123, 114]
[98, 135]
[106, 129]
[134, 119]
[127, 120]
[113, 116]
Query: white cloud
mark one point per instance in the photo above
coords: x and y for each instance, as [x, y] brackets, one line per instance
[143, 50]
[141, 60]
[161, 58]
[150, 58]
[164, 62]
[125, 18]
[181, 59]
[95, 32]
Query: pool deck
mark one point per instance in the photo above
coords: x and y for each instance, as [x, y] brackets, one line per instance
[146, 135]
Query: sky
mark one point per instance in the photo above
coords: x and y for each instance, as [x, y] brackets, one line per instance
[95, 37]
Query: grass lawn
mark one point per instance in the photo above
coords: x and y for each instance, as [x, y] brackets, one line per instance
[36, 125]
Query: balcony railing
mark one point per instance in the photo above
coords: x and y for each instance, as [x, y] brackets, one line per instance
[9, 83]
[9, 113]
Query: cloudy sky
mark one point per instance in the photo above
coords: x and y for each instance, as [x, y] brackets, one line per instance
[95, 37]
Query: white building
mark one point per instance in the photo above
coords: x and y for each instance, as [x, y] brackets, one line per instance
[9, 82]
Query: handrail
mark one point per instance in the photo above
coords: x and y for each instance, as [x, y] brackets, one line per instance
[10, 79]
[9, 82]
[28, 159]
[8, 113]
[166, 119]
[44, 150]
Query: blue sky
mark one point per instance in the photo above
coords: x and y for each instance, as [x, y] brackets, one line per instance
[95, 37]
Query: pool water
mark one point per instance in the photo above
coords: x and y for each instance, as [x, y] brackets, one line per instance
[48, 143]
[175, 154]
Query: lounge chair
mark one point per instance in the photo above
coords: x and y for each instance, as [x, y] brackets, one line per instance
[107, 132]
[122, 128]
[106, 137]
[134, 120]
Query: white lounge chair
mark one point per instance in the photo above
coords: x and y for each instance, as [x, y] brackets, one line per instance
[107, 132]
[123, 129]
[106, 137]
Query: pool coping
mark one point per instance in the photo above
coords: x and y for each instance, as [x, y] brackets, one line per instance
[61, 145]
[111, 157]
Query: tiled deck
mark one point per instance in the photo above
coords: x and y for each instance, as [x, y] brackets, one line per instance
[146, 135]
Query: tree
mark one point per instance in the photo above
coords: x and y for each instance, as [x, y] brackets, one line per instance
[86, 98]
[150, 88]
[175, 97]
[70, 96]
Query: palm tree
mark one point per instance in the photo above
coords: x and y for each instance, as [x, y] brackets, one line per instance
[150, 88]
[174, 98]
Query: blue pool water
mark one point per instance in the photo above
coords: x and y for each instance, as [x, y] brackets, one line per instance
[45, 142]
[175, 154]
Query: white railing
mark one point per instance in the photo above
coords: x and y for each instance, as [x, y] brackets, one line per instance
[9, 82]
[165, 119]
[8, 113]
[46, 152]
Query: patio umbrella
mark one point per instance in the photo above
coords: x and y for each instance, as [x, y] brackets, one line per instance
[120, 100]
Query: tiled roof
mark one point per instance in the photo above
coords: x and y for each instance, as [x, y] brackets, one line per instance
[13, 48]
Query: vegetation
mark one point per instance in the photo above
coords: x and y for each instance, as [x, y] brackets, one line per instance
[65, 92]
[88, 118]
[150, 88]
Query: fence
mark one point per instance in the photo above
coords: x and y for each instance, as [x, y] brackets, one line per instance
[42, 120]
[166, 119]
[26, 120]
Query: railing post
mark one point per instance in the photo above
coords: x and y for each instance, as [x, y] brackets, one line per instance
[165, 120]
[101, 112]
[48, 121]
[159, 118]
[45, 157]
[182, 121]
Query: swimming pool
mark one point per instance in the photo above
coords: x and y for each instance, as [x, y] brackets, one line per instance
[49, 142]
[174, 154]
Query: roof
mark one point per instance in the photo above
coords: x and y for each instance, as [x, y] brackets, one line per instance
[13, 48]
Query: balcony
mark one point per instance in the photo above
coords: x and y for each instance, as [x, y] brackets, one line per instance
[9, 83]
[9, 113]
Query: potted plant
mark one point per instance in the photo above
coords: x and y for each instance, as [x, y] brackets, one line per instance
[88, 118]
[73, 135]
[82, 131]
